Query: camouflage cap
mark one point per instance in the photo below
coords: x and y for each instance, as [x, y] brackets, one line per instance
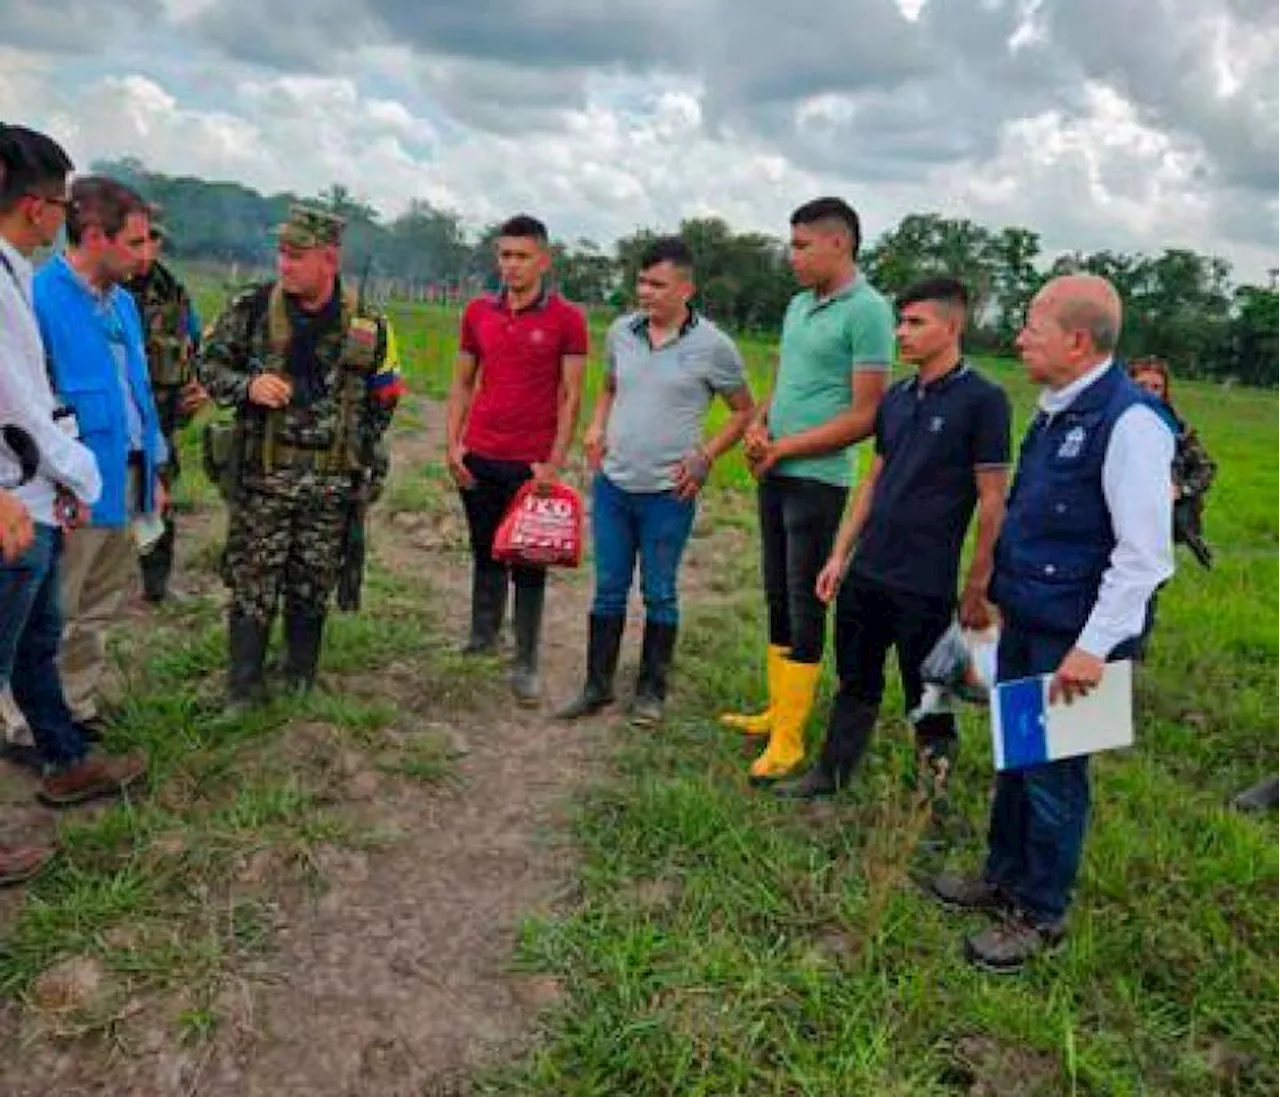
[309, 227]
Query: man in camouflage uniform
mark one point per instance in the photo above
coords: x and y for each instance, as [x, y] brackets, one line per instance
[172, 331]
[308, 370]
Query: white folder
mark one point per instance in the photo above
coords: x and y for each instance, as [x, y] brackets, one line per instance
[1026, 730]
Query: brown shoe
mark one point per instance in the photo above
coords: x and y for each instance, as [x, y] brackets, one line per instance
[967, 893]
[96, 776]
[1007, 946]
[20, 863]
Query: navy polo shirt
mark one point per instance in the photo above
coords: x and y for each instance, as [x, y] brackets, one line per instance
[932, 438]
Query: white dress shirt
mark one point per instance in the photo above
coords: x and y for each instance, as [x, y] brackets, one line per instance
[1137, 484]
[27, 401]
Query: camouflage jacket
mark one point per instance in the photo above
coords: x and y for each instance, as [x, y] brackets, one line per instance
[1193, 468]
[166, 312]
[356, 364]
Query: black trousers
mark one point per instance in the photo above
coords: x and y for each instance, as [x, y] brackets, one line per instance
[496, 485]
[798, 524]
[871, 619]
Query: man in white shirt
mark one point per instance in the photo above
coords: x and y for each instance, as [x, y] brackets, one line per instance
[33, 171]
[1085, 543]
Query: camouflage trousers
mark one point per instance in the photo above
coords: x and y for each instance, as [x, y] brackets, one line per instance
[284, 540]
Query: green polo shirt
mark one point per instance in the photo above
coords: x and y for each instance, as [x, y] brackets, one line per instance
[824, 343]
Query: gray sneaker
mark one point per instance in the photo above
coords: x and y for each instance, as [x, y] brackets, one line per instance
[1006, 946]
[967, 893]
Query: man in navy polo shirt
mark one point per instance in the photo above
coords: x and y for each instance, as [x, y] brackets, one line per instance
[1086, 542]
[512, 412]
[941, 449]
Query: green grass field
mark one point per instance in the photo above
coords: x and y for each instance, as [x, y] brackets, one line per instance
[720, 943]
[729, 945]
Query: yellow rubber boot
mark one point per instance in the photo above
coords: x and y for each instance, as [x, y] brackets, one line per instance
[798, 683]
[761, 723]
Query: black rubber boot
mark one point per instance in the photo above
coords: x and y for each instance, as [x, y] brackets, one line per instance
[604, 641]
[526, 684]
[848, 734]
[656, 653]
[488, 606]
[247, 650]
[157, 565]
[303, 635]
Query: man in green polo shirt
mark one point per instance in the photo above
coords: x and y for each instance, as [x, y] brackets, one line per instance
[837, 347]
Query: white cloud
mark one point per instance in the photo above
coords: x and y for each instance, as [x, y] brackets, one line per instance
[604, 153]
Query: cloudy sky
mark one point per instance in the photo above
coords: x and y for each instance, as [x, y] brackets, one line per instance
[1124, 124]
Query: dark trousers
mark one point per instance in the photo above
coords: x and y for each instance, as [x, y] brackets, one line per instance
[871, 619]
[486, 503]
[798, 524]
[30, 634]
[1040, 814]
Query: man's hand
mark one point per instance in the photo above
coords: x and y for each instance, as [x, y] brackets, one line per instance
[766, 457]
[193, 397]
[975, 610]
[829, 580]
[545, 476]
[160, 497]
[594, 446]
[755, 440]
[16, 529]
[458, 469]
[71, 512]
[268, 390]
[1078, 675]
[691, 473]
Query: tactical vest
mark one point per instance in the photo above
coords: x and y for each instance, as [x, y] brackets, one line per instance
[1057, 537]
[292, 437]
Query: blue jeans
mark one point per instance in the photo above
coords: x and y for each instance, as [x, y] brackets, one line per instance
[651, 525]
[1040, 814]
[30, 632]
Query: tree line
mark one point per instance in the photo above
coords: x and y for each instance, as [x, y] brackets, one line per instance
[1180, 305]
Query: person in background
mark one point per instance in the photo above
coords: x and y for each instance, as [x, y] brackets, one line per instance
[57, 498]
[511, 416]
[1193, 469]
[664, 364]
[172, 330]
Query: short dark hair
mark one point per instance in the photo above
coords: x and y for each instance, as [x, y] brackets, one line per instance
[668, 249]
[831, 209]
[98, 200]
[524, 225]
[30, 163]
[941, 290]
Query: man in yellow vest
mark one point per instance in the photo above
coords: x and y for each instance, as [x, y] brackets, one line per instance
[312, 375]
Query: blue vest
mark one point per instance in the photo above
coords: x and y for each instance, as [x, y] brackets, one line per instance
[1057, 538]
[86, 378]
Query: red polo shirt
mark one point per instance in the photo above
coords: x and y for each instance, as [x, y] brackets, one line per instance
[520, 357]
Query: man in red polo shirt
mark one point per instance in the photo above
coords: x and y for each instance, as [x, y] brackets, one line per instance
[512, 412]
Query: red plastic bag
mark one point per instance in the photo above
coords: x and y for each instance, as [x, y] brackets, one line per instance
[542, 530]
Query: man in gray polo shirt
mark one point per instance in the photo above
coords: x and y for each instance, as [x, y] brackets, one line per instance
[665, 363]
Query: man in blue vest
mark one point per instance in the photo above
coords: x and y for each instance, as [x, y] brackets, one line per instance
[98, 361]
[1086, 540]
